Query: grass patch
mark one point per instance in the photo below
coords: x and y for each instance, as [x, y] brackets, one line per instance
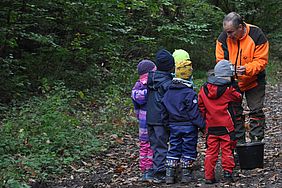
[43, 137]
[200, 77]
[274, 71]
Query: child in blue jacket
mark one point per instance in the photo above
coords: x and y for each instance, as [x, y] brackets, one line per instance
[184, 119]
[158, 83]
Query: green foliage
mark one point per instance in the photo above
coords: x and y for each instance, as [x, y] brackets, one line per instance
[93, 47]
[11, 183]
[85, 43]
[199, 78]
[274, 71]
[59, 40]
[13, 82]
[91, 44]
[42, 137]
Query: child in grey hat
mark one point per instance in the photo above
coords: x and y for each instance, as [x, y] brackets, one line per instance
[216, 99]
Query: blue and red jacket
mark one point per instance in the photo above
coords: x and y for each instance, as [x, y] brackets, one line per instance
[215, 103]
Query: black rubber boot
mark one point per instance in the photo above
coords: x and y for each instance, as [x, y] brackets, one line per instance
[170, 175]
[186, 168]
[186, 175]
[212, 181]
[228, 177]
[171, 165]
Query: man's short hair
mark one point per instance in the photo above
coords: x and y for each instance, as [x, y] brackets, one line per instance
[235, 18]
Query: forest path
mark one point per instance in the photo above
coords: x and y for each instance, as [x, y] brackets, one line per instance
[118, 167]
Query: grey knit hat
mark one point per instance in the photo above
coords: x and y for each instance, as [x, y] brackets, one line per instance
[224, 69]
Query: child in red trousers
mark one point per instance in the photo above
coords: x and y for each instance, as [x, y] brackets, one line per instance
[216, 99]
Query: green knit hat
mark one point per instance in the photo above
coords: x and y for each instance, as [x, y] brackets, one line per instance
[180, 55]
[183, 65]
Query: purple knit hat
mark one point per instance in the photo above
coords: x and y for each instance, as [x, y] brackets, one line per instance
[145, 66]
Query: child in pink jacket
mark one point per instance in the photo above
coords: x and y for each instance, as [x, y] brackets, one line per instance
[139, 98]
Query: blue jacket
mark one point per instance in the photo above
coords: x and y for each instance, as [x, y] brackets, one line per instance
[158, 83]
[181, 106]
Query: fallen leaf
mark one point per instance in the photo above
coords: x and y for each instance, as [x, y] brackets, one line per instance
[86, 164]
[119, 140]
[242, 175]
[274, 177]
[119, 169]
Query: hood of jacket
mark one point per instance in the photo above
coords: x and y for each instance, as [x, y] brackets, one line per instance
[178, 83]
[215, 87]
[156, 79]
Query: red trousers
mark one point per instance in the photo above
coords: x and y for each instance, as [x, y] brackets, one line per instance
[215, 143]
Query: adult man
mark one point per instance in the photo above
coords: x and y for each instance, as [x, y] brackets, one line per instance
[246, 47]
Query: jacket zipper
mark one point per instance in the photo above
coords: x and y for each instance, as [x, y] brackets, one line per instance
[231, 120]
[238, 43]
[240, 57]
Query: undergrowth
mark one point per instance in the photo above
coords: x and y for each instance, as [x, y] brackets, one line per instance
[274, 71]
[43, 137]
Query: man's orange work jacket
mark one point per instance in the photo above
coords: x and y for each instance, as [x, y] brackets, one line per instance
[250, 51]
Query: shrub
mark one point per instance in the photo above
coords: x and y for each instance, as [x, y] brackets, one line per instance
[42, 137]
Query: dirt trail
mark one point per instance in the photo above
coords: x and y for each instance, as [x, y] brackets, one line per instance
[118, 167]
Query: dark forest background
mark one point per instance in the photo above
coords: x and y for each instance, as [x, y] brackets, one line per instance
[67, 68]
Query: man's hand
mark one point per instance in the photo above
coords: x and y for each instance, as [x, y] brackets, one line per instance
[241, 70]
[234, 84]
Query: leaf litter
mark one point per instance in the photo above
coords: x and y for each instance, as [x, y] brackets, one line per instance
[119, 166]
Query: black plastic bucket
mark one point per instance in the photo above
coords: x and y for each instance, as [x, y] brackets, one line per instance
[250, 155]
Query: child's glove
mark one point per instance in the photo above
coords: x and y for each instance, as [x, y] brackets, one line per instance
[203, 131]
